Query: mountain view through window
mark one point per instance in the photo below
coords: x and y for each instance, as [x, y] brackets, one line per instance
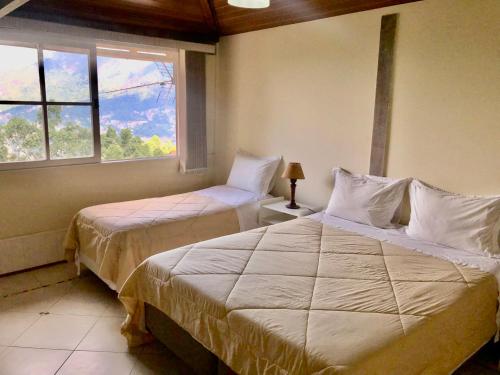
[21, 129]
[137, 104]
[137, 108]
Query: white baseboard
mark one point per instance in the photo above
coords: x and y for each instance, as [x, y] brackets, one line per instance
[22, 252]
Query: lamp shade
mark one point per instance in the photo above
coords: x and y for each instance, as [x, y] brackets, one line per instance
[293, 171]
[253, 4]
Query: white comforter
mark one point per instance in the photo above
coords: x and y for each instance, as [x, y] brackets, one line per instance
[113, 239]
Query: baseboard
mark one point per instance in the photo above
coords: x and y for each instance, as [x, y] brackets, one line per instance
[33, 250]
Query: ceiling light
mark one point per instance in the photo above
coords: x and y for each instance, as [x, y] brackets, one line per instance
[253, 4]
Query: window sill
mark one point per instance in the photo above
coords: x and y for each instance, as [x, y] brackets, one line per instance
[168, 157]
[14, 166]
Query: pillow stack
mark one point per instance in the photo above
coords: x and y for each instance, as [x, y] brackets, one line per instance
[437, 216]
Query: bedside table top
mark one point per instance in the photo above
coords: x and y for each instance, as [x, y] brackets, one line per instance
[280, 206]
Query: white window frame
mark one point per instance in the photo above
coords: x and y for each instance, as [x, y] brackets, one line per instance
[171, 55]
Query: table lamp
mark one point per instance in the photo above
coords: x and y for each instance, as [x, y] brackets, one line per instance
[294, 172]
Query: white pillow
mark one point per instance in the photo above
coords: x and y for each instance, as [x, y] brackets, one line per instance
[366, 199]
[462, 222]
[252, 173]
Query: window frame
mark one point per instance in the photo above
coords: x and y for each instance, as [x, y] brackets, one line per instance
[93, 102]
[170, 57]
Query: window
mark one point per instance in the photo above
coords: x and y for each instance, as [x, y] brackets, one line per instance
[21, 135]
[45, 106]
[69, 108]
[53, 112]
[137, 104]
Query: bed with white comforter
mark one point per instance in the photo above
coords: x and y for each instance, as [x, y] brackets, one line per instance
[113, 239]
[322, 295]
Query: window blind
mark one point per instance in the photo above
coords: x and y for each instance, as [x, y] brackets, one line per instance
[193, 152]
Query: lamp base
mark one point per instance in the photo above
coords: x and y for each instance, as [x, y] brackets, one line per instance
[292, 205]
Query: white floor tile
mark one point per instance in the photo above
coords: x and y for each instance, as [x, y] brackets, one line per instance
[87, 297]
[92, 283]
[115, 308]
[38, 300]
[55, 274]
[56, 332]
[105, 336]
[78, 305]
[97, 363]
[29, 361]
[13, 324]
[18, 283]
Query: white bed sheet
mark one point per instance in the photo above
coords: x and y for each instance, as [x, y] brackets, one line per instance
[399, 237]
[246, 203]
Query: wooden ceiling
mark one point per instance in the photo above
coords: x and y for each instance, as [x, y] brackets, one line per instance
[234, 20]
[192, 20]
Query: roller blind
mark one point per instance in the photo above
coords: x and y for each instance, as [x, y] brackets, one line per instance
[193, 138]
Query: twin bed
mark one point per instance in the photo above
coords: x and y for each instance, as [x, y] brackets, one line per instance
[321, 294]
[113, 239]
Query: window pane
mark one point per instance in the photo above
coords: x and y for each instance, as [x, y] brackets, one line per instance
[70, 131]
[19, 79]
[137, 108]
[21, 133]
[66, 76]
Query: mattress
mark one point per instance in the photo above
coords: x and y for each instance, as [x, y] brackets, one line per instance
[113, 239]
[306, 297]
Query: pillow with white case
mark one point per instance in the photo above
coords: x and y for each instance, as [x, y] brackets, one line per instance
[462, 222]
[252, 173]
[367, 199]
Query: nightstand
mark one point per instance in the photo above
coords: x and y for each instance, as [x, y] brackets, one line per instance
[274, 211]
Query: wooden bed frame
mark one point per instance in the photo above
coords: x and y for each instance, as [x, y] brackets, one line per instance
[177, 340]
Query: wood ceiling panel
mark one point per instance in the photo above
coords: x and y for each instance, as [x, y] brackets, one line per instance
[193, 20]
[234, 20]
[185, 9]
[175, 19]
[122, 16]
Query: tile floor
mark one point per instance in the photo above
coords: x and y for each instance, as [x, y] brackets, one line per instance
[53, 322]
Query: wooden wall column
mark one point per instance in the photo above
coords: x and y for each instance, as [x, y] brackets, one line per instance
[383, 97]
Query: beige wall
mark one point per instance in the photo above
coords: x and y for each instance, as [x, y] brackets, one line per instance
[446, 118]
[36, 205]
[307, 92]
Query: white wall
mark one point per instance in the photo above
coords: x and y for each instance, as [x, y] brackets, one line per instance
[307, 92]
